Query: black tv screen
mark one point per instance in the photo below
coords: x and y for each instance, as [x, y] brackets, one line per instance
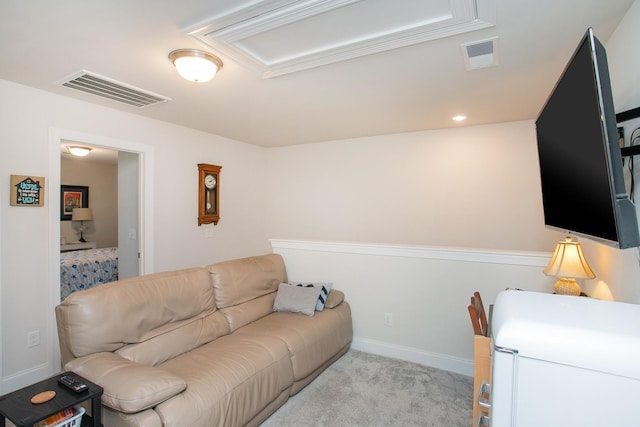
[581, 171]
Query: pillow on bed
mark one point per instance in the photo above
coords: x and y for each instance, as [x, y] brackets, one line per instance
[325, 288]
[296, 299]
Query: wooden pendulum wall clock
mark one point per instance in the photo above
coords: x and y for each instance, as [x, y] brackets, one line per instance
[208, 194]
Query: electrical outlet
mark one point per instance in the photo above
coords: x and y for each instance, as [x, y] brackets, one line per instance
[388, 319]
[33, 339]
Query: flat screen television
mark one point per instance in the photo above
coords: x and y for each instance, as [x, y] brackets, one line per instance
[581, 170]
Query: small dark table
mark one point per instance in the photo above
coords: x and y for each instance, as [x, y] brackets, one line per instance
[17, 406]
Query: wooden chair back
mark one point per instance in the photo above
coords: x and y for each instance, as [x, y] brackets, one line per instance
[478, 315]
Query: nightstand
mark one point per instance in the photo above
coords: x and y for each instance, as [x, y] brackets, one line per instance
[76, 246]
[17, 406]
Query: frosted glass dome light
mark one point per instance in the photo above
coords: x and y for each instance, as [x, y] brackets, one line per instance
[195, 65]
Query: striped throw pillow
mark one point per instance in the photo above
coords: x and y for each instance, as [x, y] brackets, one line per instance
[324, 293]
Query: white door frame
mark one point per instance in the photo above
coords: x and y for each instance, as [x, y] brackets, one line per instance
[145, 215]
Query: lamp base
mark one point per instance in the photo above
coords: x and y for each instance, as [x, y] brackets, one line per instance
[82, 228]
[567, 287]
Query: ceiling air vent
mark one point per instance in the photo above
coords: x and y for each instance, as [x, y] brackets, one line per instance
[94, 84]
[480, 54]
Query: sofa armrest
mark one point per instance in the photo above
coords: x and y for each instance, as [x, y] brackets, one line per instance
[128, 386]
[334, 298]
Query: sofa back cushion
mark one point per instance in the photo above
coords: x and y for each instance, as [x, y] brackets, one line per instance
[245, 288]
[133, 310]
[177, 338]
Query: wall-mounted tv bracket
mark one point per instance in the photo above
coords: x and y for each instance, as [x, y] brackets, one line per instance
[634, 150]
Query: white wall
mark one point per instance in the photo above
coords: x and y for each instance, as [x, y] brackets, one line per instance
[27, 117]
[624, 60]
[102, 180]
[473, 187]
[425, 289]
[431, 196]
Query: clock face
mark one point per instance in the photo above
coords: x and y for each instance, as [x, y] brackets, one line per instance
[210, 182]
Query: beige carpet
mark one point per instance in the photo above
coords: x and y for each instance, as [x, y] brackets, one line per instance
[363, 389]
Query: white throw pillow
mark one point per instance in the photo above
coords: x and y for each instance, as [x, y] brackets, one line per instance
[296, 299]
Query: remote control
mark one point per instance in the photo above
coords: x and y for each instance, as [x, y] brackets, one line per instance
[72, 383]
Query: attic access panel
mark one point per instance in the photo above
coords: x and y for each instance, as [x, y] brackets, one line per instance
[281, 37]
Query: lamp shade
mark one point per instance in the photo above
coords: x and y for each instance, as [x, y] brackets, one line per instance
[568, 261]
[82, 214]
[195, 65]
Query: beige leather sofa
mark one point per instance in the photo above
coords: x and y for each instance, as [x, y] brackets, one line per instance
[199, 346]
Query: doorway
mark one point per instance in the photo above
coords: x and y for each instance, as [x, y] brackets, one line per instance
[110, 180]
[131, 152]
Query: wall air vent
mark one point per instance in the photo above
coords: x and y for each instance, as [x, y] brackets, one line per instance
[480, 54]
[94, 84]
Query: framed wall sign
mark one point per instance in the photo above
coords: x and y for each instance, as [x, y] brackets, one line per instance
[72, 196]
[208, 194]
[27, 190]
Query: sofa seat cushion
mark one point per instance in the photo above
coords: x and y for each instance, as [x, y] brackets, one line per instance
[229, 380]
[311, 340]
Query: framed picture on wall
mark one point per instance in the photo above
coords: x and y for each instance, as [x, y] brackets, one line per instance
[72, 196]
[27, 190]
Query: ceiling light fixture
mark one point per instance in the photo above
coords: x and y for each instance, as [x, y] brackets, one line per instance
[195, 65]
[459, 118]
[79, 151]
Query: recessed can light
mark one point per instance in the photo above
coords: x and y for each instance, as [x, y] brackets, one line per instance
[459, 118]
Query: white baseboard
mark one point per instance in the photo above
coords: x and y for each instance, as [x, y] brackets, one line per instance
[439, 361]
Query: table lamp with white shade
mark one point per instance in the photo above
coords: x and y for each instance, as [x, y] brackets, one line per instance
[568, 264]
[82, 215]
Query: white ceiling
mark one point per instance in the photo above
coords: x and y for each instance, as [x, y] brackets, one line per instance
[309, 70]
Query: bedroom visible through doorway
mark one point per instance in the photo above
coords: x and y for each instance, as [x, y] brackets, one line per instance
[109, 180]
